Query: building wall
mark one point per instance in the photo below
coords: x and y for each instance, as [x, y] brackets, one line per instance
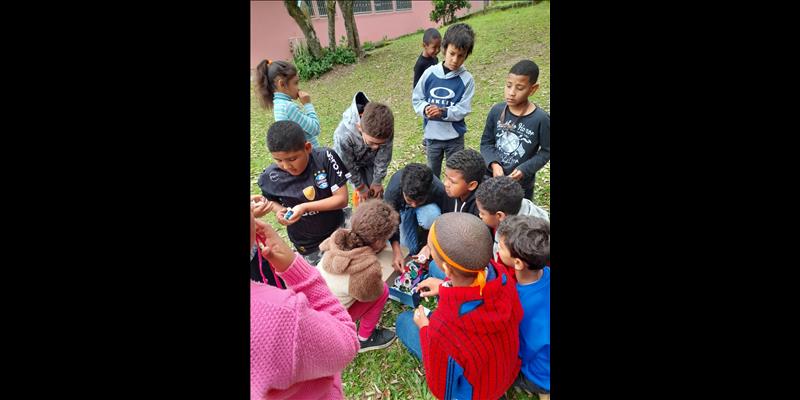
[272, 29]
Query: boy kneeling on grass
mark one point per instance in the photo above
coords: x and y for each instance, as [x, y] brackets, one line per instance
[525, 247]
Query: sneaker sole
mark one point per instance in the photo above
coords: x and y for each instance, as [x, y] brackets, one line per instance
[383, 346]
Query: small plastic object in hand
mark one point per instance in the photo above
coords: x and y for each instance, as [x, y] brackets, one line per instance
[289, 213]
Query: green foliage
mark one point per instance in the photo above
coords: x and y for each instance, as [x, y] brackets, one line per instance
[309, 67]
[445, 10]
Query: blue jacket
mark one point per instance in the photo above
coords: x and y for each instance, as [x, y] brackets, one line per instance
[285, 109]
[453, 92]
[534, 330]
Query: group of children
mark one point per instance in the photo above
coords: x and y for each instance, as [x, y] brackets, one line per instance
[487, 242]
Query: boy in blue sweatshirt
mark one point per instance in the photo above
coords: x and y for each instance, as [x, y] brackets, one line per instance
[443, 97]
[525, 247]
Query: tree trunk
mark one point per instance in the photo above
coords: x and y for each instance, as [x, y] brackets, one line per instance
[350, 26]
[304, 22]
[331, 5]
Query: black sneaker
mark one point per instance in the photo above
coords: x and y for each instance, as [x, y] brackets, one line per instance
[380, 339]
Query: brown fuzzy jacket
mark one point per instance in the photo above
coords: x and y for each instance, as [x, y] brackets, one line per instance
[351, 274]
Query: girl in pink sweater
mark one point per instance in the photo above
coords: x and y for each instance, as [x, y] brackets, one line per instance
[301, 338]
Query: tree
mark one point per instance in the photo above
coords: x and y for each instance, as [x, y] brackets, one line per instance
[445, 10]
[350, 26]
[331, 4]
[301, 16]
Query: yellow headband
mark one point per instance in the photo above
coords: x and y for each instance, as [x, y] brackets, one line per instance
[479, 281]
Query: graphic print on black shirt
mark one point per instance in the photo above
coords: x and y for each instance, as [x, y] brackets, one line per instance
[324, 175]
[510, 136]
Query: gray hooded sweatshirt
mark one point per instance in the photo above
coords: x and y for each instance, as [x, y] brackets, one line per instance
[365, 165]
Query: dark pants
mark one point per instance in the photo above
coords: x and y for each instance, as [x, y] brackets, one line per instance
[523, 383]
[528, 187]
[437, 149]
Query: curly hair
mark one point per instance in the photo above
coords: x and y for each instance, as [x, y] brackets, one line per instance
[469, 162]
[285, 136]
[378, 121]
[500, 193]
[416, 181]
[527, 238]
[372, 221]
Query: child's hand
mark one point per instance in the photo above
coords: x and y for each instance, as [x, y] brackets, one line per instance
[497, 170]
[260, 205]
[305, 98]
[362, 192]
[281, 216]
[430, 286]
[423, 255]
[433, 111]
[376, 191]
[276, 251]
[397, 262]
[420, 318]
[297, 212]
[516, 175]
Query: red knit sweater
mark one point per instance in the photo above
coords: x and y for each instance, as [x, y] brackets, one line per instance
[484, 341]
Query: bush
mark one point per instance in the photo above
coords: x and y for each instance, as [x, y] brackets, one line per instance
[445, 10]
[309, 67]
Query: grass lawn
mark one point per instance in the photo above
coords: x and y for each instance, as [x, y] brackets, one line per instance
[385, 75]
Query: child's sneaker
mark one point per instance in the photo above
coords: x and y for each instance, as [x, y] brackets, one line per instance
[380, 339]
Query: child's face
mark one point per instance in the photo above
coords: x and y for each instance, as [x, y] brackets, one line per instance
[518, 89]
[455, 185]
[506, 258]
[293, 162]
[411, 202]
[432, 48]
[454, 57]
[491, 219]
[371, 141]
[290, 87]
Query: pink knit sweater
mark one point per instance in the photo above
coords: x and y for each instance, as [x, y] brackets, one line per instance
[301, 338]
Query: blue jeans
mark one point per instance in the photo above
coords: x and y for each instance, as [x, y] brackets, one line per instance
[434, 271]
[410, 218]
[438, 149]
[408, 333]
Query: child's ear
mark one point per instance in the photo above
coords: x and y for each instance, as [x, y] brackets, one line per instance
[534, 88]
[501, 216]
[445, 268]
[307, 147]
[472, 185]
[519, 265]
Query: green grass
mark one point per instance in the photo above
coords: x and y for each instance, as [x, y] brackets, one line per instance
[502, 39]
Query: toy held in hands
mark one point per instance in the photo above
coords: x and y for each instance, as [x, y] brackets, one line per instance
[289, 213]
[403, 287]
